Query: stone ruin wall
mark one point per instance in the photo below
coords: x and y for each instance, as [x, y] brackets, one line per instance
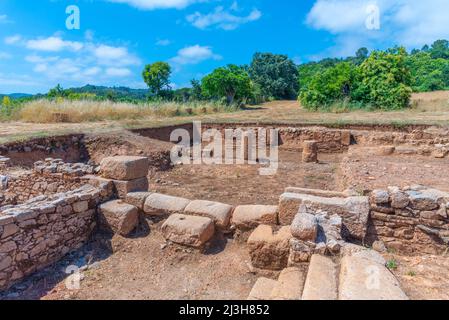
[41, 231]
[36, 233]
[46, 178]
[410, 220]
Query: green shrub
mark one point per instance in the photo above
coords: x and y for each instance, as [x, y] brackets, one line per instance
[385, 80]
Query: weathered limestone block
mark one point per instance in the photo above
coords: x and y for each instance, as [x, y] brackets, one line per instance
[124, 187]
[310, 151]
[399, 200]
[160, 204]
[269, 250]
[380, 197]
[321, 281]
[300, 251]
[290, 285]
[262, 289]
[353, 210]
[124, 167]
[220, 213]
[420, 200]
[305, 227]
[137, 199]
[364, 279]
[251, 216]
[120, 217]
[192, 231]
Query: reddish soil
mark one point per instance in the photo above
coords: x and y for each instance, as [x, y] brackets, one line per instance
[242, 184]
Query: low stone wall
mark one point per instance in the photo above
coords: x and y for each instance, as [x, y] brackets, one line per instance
[410, 220]
[48, 177]
[70, 148]
[41, 231]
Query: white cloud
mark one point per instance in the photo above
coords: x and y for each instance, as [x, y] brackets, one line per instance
[163, 42]
[4, 19]
[194, 54]
[412, 23]
[118, 72]
[92, 71]
[4, 55]
[53, 44]
[157, 4]
[222, 19]
[108, 55]
[13, 39]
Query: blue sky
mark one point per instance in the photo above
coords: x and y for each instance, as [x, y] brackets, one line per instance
[118, 37]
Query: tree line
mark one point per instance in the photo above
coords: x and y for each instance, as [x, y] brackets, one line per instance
[377, 80]
[382, 79]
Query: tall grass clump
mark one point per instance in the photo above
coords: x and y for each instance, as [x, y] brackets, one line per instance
[76, 111]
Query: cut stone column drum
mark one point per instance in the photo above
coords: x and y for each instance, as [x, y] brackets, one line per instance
[310, 151]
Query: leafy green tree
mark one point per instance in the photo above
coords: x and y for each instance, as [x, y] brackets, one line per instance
[157, 77]
[276, 75]
[197, 92]
[57, 92]
[428, 74]
[361, 55]
[6, 102]
[331, 85]
[231, 82]
[440, 49]
[385, 80]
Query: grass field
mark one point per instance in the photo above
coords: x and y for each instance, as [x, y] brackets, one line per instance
[427, 109]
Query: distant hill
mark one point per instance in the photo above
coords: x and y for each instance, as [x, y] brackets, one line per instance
[112, 92]
[16, 95]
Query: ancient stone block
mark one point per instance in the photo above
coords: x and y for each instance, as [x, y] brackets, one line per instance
[124, 187]
[137, 199]
[357, 281]
[269, 250]
[399, 200]
[380, 197]
[120, 217]
[160, 204]
[353, 210]
[321, 282]
[193, 231]
[423, 201]
[124, 167]
[304, 227]
[80, 206]
[250, 216]
[310, 151]
[262, 289]
[220, 213]
[290, 285]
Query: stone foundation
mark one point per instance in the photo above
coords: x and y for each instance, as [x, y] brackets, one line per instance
[41, 231]
[410, 220]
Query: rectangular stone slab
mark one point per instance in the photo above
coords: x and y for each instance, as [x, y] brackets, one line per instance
[366, 279]
[219, 212]
[250, 216]
[124, 187]
[289, 285]
[160, 204]
[124, 167]
[120, 217]
[192, 231]
[321, 281]
[262, 289]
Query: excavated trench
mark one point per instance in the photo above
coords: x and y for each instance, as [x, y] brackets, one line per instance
[360, 159]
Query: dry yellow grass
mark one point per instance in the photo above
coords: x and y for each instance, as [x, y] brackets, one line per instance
[429, 109]
[45, 111]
